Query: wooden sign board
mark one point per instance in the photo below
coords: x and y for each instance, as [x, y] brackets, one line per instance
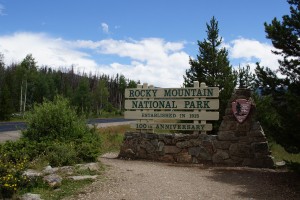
[172, 126]
[208, 92]
[148, 104]
[177, 104]
[196, 115]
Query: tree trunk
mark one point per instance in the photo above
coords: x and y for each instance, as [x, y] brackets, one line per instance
[25, 98]
[21, 97]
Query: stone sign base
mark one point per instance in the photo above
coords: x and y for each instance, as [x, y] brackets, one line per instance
[237, 144]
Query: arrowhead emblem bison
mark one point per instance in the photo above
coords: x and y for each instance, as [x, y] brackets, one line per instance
[241, 109]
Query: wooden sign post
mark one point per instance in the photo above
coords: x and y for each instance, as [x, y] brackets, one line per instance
[149, 104]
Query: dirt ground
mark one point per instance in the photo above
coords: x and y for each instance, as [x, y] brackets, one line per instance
[133, 180]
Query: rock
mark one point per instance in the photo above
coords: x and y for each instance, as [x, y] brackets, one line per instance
[154, 142]
[256, 133]
[49, 170]
[222, 144]
[30, 196]
[67, 170]
[228, 125]
[88, 166]
[166, 158]
[260, 147]
[151, 136]
[227, 136]
[246, 126]
[241, 133]
[208, 146]
[184, 144]
[183, 157]
[141, 153]
[86, 177]
[258, 139]
[240, 150]
[256, 126]
[195, 151]
[150, 148]
[53, 180]
[171, 149]
[160, 146]
[30, 173]
[280, 164]
[220, 156]
[204, 154]
[196, 142]
[129, 151]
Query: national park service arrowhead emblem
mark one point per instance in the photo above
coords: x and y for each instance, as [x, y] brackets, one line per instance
[241, 109]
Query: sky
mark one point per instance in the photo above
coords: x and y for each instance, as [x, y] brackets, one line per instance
[150, 41]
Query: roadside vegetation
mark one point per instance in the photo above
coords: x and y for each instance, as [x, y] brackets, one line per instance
[55, 136]
[24, 84]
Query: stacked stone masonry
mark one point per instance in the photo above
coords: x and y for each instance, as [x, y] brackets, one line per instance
[237, 144]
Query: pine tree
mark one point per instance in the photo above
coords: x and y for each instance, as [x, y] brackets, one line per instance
[212, 65]
[285, 38]
[285, 92]
[245, 78]
[6, 107]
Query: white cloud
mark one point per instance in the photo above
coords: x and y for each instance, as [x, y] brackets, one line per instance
[54, 52]
[2, 8]
[248, 51]
[105, 28]
[152, 60]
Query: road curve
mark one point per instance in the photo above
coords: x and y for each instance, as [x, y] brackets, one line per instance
[11, 131]
[16, 126]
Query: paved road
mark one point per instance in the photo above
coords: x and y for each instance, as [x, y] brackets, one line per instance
[15, 126]
[11, 131]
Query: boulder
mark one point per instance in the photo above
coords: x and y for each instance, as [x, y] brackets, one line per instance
[31, 173]
[227, 136]
[30, 196]
[183, 157]
[171, 149]
[220, 157]
[53, 180]
[240, 150]
[86, 177]
[88, 166]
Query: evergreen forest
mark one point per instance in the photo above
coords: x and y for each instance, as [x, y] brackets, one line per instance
[24, 84]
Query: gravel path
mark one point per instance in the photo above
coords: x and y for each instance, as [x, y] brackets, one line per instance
[134, 180]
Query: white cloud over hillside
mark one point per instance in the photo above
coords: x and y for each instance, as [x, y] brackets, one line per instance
[152, 60]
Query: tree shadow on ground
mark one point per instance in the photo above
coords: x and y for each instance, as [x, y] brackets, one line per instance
[259, 183]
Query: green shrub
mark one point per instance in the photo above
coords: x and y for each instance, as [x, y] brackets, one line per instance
[59, 135]
[54, 121]
[87, 152]
[60, 154]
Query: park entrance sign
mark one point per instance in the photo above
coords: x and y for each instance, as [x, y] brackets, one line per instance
[151, 106]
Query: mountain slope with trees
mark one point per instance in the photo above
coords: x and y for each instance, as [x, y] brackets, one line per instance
[24, 84]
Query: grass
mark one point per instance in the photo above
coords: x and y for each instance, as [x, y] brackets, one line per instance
[112, 137]
[280, 154]
[67, 188]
